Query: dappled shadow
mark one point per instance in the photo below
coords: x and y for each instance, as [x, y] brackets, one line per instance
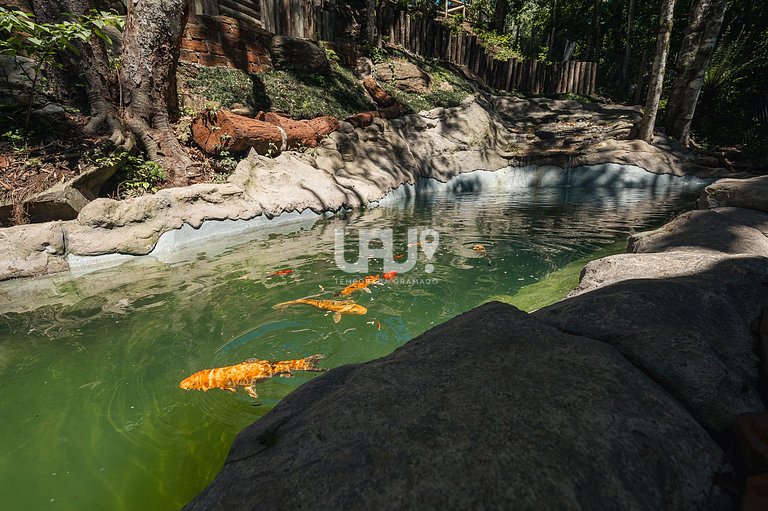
[307, 95]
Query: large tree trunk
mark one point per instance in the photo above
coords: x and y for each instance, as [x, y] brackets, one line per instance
[93, 64]
[704, 24]
[628, 44]
[500, 12]
[148, 74]
[657, 73]
[370, 22]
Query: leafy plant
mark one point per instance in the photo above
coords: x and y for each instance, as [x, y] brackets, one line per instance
[332, 57]
[226, 162]
[139, 176]
[21, 35]
[19, 138]
[376, 54]
[499, 46]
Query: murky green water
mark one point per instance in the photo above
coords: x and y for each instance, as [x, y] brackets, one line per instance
[92, 416]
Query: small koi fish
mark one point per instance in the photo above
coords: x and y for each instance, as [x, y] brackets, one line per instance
[397, 257]
[480, 249]
[338, 307]
[280, 272]
[360, 285]
[247, 374]
[389, 275]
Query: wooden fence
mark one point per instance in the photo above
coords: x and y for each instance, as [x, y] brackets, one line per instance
[322, 20]
[308, 19]
[430, 39]
[248, 11]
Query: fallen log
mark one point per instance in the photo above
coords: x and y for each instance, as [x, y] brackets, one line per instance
[221, 130]
[364, 119]
[382, 98]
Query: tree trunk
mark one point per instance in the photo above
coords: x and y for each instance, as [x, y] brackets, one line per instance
[371, 22]
[657, 73]
[628, 45]
[93, 64]
[552, 27]
[500, 12]
[640, 77]
[704, 24]
[148, 74]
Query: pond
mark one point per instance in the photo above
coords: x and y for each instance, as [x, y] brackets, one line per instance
[90, 365]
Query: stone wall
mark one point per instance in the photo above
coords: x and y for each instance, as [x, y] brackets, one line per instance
[226, 42]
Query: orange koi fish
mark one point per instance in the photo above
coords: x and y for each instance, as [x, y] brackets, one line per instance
[338, 307]
[360, 285]
[280, 272]
[247, 374]
[480, 249]
[389, 275]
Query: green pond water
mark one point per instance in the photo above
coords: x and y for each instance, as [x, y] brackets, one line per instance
[92, 416]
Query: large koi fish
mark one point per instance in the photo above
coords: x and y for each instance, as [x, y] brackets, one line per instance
[338, 307]
[247, 374]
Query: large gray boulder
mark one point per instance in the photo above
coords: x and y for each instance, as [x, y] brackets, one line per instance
[297, 54]
[491, 410]
[691, 333]
[742, 193]
[702, 231]
[406, 76]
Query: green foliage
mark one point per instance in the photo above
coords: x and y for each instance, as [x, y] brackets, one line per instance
[21, 35]
[139, 176]
[19, 138]
[221, 85]
[376, 54]
[226, 162]
[332, 57]
[454, 23]
[435, 97]
[729, 66]
[303, 95]
[480, 11]
[424, 7]
[499, 46]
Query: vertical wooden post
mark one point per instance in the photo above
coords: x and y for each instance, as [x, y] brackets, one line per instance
[508, 75]
[475, 60]
[592, 79]
[515, 71]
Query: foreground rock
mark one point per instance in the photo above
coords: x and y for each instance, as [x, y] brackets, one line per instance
[690, 333]
[491, 410]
